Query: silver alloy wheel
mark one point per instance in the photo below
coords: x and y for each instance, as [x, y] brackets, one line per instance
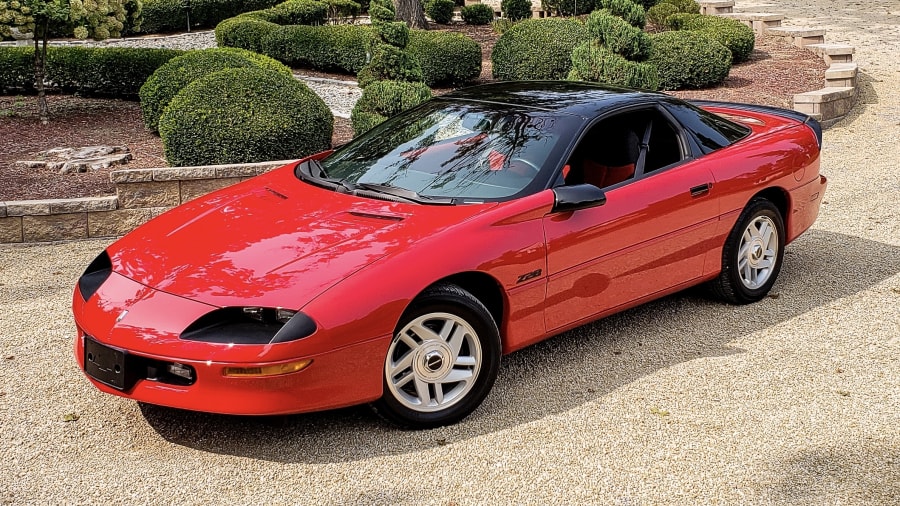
[433, 362]
[758, 252]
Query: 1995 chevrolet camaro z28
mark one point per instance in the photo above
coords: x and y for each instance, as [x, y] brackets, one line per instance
[398, 269]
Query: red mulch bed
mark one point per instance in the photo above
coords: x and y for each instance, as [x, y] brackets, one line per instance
[776, 71]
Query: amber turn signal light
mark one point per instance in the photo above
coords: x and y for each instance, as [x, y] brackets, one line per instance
[266, 370]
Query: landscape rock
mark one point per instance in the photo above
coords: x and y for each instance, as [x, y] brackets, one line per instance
[83, 159]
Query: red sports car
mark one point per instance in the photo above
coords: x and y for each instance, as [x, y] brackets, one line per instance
[398, 269]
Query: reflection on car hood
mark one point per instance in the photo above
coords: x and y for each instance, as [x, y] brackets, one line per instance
[272, 241]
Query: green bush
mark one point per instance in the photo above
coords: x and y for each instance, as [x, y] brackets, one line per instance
[625, 9]
[568, 8]
[659, 12]
[245, 33]
[646, 4]
[293, 12]
[537, 49]
[382, 10]
[679, 19]
[686, 6]
[390, 63]
[591, 61]
[515, 10]
[441, 11]
[168, 15]
[446, 58]
[335, 48]
[619, 36]
[342, 8]
[100, 71]
[731, 33]
[384, 99]
[244, 115]
[688, 59]
[395, 33]
[171, 78]
[477, 14]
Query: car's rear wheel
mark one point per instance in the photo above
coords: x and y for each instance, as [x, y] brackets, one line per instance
[753, 254]
[442, 361]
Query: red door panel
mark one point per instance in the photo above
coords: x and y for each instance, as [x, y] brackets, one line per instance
[649, 236]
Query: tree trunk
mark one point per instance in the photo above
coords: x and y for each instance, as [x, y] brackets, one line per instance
[412, 12]
[40, 64]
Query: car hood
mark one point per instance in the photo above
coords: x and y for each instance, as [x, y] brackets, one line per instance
[273, 241]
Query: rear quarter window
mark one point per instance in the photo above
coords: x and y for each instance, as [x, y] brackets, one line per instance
[711, 131]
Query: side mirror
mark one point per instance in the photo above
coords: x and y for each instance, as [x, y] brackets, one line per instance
[580, 196]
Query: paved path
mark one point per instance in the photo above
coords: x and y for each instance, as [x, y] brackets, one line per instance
[795, 400]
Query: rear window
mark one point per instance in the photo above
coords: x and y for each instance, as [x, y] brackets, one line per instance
[711, 131]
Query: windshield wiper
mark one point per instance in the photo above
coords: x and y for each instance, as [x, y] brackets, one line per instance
[403, 193]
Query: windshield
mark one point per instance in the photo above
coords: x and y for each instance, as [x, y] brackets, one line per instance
[467, 151]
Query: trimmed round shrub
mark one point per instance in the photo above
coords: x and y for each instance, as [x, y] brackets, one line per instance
[441, 11]
[389, 63]
[687, 6]
[688, 59]
[244, 32]
[731, 33]
[625, 9]
[174, 75]
[619, 36]
[384, 99]
[381, 10]
[294, 12]
[679, 19]
[395, 33]
[338, 47]
[591, 61]
[446, 58]
[244, 115]
[515, 10]
[537, 49]
[477, 14]
[659, 12]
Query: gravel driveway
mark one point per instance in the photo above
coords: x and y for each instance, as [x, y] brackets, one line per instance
[794, 400]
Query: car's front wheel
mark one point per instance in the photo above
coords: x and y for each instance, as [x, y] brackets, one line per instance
[752, 256]
[442, 361]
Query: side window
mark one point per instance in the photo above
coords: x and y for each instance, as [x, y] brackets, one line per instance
[664, 147]
[607, 154]
[614, 150]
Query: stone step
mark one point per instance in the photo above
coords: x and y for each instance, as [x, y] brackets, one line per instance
[826, 104]
[758, 21]
[800, 36]
[840, 75]
[716, 7]
[833, 53]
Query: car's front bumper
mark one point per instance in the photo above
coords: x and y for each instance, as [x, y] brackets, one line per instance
[145, 325]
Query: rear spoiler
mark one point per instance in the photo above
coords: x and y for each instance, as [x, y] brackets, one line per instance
[809, 121]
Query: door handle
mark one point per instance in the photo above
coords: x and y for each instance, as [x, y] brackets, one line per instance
[696, 191]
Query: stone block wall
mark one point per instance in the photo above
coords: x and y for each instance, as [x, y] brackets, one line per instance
[141, 194]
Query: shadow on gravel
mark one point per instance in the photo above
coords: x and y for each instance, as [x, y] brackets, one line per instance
[857, 472]
[562, 373]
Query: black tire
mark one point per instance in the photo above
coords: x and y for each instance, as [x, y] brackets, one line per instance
[733, 285]
[433, 363]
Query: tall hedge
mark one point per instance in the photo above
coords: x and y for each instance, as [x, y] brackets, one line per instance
[161, 16]
[689, 59]
[537, 49]
[339, 48]
[446, 58]
[244, 115]
[100, 71]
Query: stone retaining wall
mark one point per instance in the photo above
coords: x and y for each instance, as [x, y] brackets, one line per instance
[141, 194]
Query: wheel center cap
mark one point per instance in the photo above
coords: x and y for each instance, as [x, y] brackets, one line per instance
[434, 361]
